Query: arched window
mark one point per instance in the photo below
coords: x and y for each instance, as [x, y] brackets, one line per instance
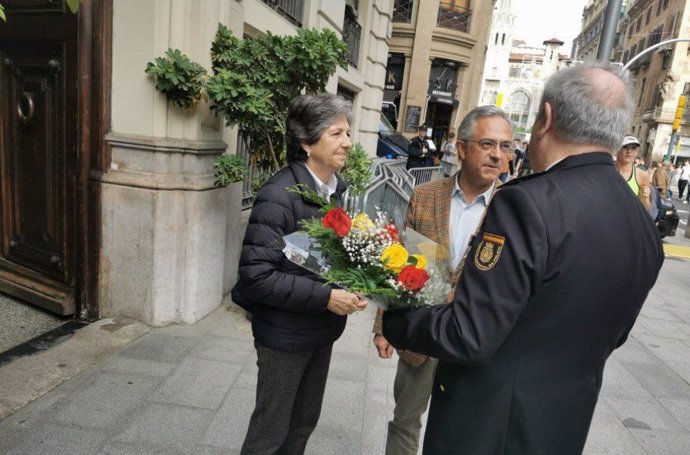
[519, 108]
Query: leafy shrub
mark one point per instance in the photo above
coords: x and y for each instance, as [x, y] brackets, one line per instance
[230, 169]
[179, 78]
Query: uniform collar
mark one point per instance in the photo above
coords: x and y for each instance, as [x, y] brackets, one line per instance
[583, 159]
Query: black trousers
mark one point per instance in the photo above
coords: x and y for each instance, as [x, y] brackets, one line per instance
[289, 394]
[682, 184]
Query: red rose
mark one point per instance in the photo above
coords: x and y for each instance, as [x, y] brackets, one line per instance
[338, 220]
[392, 232]
[413, 278]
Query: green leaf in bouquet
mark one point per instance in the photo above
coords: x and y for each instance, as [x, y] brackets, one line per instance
[312, 195]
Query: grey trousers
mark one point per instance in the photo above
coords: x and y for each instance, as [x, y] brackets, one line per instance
[289, 394]
[411, 390]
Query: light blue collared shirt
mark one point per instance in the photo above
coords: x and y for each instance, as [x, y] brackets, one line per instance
[464, 220]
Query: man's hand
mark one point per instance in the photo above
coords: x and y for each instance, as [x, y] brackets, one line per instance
[384, 348]
[343, 303]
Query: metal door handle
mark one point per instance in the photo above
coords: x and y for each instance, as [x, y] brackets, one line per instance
[28, 98]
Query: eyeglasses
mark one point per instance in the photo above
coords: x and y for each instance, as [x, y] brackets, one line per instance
[489, 144]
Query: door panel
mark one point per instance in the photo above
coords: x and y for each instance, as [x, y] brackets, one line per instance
[38, 149]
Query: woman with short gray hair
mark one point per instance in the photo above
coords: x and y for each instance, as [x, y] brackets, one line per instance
[295, 316]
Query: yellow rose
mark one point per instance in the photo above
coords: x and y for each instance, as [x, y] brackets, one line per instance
[422, 261]
[396, 256]
[362, 222]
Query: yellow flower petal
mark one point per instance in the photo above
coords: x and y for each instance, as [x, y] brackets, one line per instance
[395, 257]
[362, 222]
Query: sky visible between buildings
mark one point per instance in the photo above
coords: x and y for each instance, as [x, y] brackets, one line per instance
[540, 20]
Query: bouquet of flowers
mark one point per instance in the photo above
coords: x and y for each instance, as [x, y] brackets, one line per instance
[369, 257]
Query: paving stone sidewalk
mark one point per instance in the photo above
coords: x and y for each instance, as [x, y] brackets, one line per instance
[190, 390]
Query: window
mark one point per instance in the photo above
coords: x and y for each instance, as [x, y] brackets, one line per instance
[649, 14]
[656, 36]
[644, 82]
[514, 71]
[503, 39]
[658, 7]
[496, 41]
[518, 111]
[625, 56]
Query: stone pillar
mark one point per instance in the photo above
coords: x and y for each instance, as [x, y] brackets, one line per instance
[163, 221]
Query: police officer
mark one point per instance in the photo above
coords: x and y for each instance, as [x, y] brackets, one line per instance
[552, 283]
[418, 150]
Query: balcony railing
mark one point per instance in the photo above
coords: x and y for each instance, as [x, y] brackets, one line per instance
[292, 10]
[352, 32]
[453, 16]
[402, 11]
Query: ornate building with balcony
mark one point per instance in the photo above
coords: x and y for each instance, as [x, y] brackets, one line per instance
[516, 84]
[435, 62]
[514, 73]
[661, 76]
[586, 44]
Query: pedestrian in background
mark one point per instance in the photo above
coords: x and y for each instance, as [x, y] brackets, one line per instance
[552, 284]
[295, 317]
[683, 178]
[450, 153]
[637, 178]
[660, 178]
[418, 151]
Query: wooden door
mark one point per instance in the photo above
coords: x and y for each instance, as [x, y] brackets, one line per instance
[39, 153]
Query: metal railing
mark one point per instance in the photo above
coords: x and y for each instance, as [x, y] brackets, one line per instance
[352, 32]
[254, 172]
[402, 11]
[292, 10]
[389, 190]
[425, 174]
[454, 17]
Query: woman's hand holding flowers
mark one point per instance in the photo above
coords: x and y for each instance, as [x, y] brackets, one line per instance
[343, 303]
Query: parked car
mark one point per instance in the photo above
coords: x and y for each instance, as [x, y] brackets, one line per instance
[391, 144]
[667, 217]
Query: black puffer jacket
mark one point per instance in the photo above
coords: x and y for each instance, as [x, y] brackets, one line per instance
[288, 305]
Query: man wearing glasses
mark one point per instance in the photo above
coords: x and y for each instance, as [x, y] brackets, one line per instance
[448, 211]
[550, 286]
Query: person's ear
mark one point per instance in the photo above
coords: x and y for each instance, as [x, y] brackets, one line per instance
[546, 120]
[461, 146]
[305, 148]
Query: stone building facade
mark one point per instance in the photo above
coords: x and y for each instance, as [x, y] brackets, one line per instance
[435, 62]
[661, 76]
[130, 222]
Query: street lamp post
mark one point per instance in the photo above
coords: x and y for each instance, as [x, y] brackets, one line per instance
[608, 31]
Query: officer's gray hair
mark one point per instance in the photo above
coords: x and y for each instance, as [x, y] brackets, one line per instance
[466, 128]
[584, 113]
[308, 117]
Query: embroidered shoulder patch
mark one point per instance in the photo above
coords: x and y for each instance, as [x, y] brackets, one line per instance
[488, 251]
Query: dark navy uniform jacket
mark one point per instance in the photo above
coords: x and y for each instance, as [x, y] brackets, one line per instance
[552, 284]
